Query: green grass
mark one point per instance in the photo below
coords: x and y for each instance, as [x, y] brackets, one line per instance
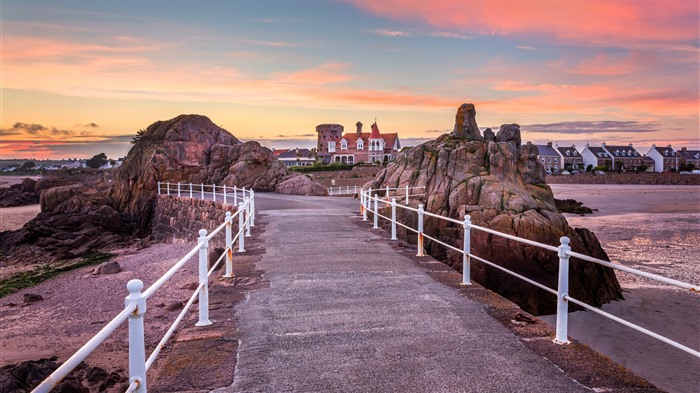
[42, 273]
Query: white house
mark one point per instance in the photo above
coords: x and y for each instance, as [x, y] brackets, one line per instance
[664, 158]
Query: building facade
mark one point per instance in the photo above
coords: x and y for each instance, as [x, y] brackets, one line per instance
[549, 157]
[295, 157]
[664, 158]
[596, 156]
[570, 157]
[355, 147]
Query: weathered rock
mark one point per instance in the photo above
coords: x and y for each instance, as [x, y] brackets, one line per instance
[489, 135]
[189, 148]
[501, 186]
[465, 123]
[174, 306]
[301, 185]
[74, 221]
[19, 194]
[109, 267]
[29, 298]
[78, 218]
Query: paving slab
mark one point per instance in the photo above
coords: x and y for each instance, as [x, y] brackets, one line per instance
[345, 312]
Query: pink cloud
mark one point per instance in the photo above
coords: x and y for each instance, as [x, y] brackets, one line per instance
[587, 22]
[391, 33]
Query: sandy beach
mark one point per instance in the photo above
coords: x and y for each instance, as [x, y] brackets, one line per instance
[654, 229]
[12, 218]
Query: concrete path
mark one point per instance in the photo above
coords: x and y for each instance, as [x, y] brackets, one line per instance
[346, 313]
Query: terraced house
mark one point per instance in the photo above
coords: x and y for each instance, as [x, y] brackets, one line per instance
[612, 157]
[356, 147]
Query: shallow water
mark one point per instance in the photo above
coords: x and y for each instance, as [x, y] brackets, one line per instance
[644, 227]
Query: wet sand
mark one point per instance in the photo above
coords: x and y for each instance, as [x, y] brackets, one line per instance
[654, 229]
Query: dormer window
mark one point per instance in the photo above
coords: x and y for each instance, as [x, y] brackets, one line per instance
[331, 147]
[343, 145]
[623, 153]
[360, 144]
[617, 152]
[568, 152]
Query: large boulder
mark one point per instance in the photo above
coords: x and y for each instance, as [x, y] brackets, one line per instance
[83, 214]
[74, 221]
[189, 148]
[301, 185]
[500, 184]
[465, 123]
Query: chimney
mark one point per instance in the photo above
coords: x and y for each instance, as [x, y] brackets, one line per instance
[549, 144]
[359, 128]
[684, 149]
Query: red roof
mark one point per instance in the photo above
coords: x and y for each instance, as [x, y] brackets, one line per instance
[277, 152]
[375, 132]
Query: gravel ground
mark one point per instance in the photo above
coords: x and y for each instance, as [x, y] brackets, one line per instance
[77, 305]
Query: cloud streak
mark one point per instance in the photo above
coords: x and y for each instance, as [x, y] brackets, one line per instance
[592, 127]
[597, 23]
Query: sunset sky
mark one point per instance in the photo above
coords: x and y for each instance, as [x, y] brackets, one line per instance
[80, 78]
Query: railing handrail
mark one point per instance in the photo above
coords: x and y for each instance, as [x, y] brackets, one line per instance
[136, 301]
[564, 252]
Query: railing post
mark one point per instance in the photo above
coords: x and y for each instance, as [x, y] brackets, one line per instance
[420, 232]
[235, 196]
[229, 246]
[252, 208]
[393, 218]
[241, 225]
[330, 191]
[466, 259]
[224, 193]
[158, 188]
[137, 347]
[213, 192]
[355, 191]
[386, 194]
[376, 210]
[190, 190]
[202, 190]
[562, 291]
[178, 189]
[347, 189]
[247, 216]
[203, 279]
[167, 188]
[406, 194]
[364, 205]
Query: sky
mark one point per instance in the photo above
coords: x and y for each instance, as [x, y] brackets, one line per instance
[82, 77]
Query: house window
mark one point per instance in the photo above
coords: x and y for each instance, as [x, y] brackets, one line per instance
[331, 147]
[360, 144]
[343, 145]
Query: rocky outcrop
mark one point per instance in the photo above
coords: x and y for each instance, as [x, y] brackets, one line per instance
[301, 185]
[500, 184]
[76, 219]
[191, 148]
[465, 123]
[19, 194]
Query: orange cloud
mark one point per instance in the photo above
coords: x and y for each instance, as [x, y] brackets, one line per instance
[586, 22]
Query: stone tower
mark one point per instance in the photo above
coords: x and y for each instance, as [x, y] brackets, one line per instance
[327, 133]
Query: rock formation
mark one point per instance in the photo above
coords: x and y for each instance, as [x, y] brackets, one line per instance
[190, 148]
[76, 219]
[500, 184]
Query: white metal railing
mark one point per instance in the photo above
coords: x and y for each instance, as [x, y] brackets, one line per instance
[135, 302]
[563, 251]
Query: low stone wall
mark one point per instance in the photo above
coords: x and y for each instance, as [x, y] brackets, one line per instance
[178, 220]
[626, 178]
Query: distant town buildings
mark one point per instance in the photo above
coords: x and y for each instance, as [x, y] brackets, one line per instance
[666, 158]
[295, 157]
[353, 148]
[626, 158]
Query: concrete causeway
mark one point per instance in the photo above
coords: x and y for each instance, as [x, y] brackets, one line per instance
[345, 312]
